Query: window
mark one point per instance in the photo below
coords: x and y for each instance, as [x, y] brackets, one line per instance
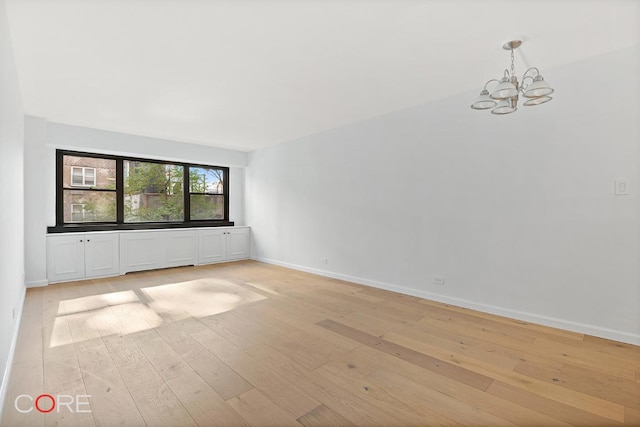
[206, 193]
[153, 192]
[88, 189]
[104, 192]
[83, 177]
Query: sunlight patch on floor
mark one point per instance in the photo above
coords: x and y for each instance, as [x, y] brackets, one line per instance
[126, 312]
[93, 302]
[198, 298]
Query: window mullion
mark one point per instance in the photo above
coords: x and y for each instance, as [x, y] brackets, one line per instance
[186, 187]
[119, 191]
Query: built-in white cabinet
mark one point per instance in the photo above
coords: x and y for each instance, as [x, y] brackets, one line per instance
[212, 246]
[147, 250]
[76, 256]
[140, 251]
[223, 245]
[82, 255]
[182, 248]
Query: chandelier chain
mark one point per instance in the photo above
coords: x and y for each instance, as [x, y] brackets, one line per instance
[513, 68]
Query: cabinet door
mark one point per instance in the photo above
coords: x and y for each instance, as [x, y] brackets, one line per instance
[211, 246]
[238, 243]
[65, 257]
[101, 255]
[182, 248]
[141, 251]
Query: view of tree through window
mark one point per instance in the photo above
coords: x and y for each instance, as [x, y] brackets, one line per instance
[206, 193]
[124, 192]
[153, 192]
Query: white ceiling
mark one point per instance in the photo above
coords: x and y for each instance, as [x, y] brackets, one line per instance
[247, 74]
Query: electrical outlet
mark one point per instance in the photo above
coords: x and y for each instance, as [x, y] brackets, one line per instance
[437, 280]
[324, 260]
[621, 187]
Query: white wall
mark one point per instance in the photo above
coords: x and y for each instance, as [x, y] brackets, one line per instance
[12, 212]
[43, 138]
[517, 213]
[38, 178]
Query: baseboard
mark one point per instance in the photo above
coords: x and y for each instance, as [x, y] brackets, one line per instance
[37, 283]
[7, 369]
[554, 322]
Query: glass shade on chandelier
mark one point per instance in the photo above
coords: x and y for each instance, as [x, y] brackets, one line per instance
[537, 101]
[538, 88]
[504, 107]
[484, 101]
[503, 98]
[504, 90]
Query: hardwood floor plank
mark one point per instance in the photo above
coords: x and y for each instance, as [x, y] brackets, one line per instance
[26, 379]
[111, 403]
[323, 416]
[587, 402]
[224, 380]
[616, 348]
[442, 367]
[259, 411]
[368, 360]
[322, 388]
[153, 397]
[365, 322]
[124, 351]
[202, 402]
[631, 417]
[182, 342]
[29, 344]
[309, 351]
[619, 390]
[587, 358]
[392, 404]
[163, 358]
[562, 411]
[493, 333]
[220, 347]
[456, 353]
[61, 369]
[290, 398]
[66, 414]
[522, 326]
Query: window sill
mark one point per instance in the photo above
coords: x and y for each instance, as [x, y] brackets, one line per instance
[80, 228]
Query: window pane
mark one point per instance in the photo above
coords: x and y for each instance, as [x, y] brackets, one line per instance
[206, 180]
[153, 192]
[89, 206]
[89, 172]
[77, 178]
[206, 206]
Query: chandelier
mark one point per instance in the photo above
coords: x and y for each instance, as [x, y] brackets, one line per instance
[504, 97]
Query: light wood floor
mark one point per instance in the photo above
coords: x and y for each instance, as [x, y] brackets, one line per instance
[252, 344]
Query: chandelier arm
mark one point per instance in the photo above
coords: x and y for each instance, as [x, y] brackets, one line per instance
[532, 68]
[523, 85]
[487, 83]
[506, 73]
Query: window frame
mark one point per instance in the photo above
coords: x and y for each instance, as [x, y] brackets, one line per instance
[119, 224]
[196, 193]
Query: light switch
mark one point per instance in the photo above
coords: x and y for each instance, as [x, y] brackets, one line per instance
[622, 187]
